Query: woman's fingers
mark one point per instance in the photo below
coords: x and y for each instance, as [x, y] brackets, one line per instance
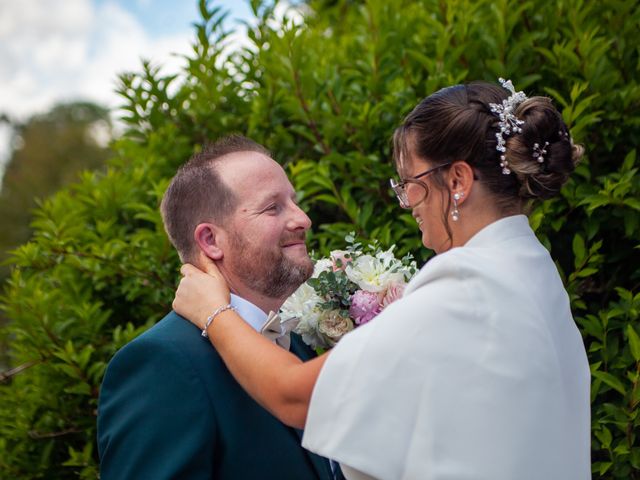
[188, 269]
[199, 293]
[193, 299]
[208, 265]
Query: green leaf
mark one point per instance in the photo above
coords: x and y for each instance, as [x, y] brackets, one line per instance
[633, 203]
[634, 342]
[629, 161]
[586, 272]
[579, 250]
[605, 437]
[604, 467]
[611, 381]
[635, 458]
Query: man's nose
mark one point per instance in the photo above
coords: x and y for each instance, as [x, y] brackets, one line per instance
[299, 219]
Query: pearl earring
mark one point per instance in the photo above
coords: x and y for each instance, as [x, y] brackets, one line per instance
[455, 214]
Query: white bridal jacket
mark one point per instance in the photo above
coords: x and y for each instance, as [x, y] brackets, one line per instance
[478, 372]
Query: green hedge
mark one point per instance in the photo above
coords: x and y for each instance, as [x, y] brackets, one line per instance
[325, 96]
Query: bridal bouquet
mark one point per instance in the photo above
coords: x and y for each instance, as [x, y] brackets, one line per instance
[346, 290]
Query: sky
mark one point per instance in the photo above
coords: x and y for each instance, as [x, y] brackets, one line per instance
[63, 50]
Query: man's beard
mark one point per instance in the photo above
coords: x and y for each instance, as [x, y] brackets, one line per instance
[268, 271]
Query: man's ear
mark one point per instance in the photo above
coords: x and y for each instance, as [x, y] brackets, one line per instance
[208, 237]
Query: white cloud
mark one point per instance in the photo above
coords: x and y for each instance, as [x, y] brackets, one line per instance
[53, 51]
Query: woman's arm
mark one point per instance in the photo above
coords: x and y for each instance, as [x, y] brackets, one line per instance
[275, 378]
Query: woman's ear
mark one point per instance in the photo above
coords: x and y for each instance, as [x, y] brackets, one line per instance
[460, 180]
[208, 237]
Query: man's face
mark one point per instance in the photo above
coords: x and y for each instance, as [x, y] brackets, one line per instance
[265, 247]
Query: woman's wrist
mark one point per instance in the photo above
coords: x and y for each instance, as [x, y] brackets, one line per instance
[209, 321]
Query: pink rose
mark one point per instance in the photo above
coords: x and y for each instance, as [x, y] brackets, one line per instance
[393, 293]
[364, 306]
[339, 259]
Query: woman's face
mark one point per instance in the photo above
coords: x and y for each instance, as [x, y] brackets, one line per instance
[429, 212]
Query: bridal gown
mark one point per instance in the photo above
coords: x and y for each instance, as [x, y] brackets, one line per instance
[478, 372]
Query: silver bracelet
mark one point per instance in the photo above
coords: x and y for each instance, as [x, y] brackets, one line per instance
[214, 315]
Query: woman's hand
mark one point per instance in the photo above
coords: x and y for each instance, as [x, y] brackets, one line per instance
[279, 381]
[199, 294]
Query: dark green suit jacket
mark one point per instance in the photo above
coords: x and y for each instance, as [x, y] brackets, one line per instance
[170, 409]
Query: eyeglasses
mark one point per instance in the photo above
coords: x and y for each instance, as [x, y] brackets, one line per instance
[400, 188]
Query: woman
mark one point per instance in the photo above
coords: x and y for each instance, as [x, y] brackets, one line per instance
[479, 371]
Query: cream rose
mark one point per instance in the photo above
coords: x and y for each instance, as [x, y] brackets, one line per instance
[332, 326]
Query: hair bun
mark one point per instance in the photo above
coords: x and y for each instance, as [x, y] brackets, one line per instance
[543, 155]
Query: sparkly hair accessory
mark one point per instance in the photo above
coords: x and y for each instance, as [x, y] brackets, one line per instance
[539, 152]
[508, 123]
[565, 134]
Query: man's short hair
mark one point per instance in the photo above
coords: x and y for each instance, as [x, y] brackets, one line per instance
[198, 194]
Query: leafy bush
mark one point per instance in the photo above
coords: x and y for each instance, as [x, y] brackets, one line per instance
[325, 96]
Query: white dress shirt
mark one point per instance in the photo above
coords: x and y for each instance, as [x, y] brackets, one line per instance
[251, 314]
[478, 372]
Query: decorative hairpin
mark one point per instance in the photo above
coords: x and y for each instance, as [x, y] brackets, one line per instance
[540, 152]
[509, 123]
[565, 134]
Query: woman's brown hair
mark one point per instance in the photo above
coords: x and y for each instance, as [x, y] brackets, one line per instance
[457, 124]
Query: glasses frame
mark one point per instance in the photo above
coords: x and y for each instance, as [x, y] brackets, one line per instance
[400, 188]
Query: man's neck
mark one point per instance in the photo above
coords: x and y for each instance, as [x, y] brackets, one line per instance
[264, 303]
[237, 287]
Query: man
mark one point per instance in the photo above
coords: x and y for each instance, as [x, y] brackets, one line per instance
[169, 408]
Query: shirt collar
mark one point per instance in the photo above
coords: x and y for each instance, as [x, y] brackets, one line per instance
[250, 313]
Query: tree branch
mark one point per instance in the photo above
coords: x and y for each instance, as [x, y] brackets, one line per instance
[4, 376]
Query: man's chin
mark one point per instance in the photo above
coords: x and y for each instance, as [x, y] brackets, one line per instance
[303, 266]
